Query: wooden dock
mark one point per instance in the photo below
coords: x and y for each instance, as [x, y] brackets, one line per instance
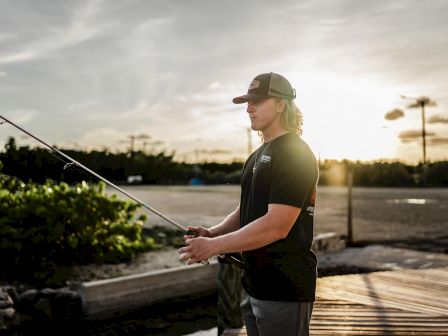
[407, 302]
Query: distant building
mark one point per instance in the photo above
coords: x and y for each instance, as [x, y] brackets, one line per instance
[196, 181]
[135, 179]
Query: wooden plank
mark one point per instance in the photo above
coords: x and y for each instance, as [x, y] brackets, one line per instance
[380, 288]
[439, 283]
[400, 303]
[423, 292]
[368, 300]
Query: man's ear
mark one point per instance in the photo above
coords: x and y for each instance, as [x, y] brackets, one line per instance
[281, 105]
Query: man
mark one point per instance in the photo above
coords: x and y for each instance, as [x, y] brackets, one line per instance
[273, 225]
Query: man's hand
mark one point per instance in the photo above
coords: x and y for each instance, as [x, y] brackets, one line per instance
[194, 231]
[197, 249]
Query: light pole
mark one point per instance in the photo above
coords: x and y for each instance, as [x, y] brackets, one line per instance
[249, 138]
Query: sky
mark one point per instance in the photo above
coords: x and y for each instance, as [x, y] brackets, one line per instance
[93, 74]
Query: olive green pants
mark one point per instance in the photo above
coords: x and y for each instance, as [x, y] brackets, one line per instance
[229, 297]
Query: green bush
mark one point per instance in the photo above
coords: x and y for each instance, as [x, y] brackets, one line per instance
[56, 224]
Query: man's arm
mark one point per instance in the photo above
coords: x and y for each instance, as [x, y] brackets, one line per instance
[229, 224]
[273, 226]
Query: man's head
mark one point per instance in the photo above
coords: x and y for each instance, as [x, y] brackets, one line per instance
[265, 86]
[273, 87]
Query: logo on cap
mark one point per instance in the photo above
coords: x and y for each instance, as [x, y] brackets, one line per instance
[254, 85]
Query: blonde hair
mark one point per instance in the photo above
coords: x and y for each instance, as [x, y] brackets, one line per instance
[292, 118]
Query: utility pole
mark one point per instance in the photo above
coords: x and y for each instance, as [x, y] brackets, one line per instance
[350, 205]
[196, 155]
[249, 138]
[132, 143]
[144, 138]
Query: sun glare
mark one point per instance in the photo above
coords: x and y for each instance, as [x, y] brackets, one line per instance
[344, 117]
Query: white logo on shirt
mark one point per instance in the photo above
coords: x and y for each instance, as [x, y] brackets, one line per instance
[310, 210]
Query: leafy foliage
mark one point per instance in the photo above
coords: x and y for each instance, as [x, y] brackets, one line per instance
[54, 224]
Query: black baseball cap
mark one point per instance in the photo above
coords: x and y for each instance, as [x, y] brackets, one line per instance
[265, 86]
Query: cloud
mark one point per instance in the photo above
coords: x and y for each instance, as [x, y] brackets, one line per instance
[18, 56]
[102, 138]
[22, 116]
[438, 119]
[205, 106]
[394, 114]
[438, 141]
[83, 105]
[214, 85]
[413, 135]
[80, 28]
[216, 151]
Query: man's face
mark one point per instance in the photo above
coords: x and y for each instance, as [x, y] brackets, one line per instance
[263, 113]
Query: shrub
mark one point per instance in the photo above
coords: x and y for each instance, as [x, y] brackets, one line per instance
[56, 224]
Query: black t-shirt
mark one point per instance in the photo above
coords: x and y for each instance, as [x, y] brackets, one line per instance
[282, 171]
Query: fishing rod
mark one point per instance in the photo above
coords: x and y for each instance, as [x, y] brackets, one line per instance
[228, 258]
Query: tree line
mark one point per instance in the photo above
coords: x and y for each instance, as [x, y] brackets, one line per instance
[39, 164]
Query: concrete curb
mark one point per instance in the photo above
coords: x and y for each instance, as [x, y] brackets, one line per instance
[328, 242]
[106, 298]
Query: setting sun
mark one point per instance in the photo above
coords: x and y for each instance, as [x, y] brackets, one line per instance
[344, 117]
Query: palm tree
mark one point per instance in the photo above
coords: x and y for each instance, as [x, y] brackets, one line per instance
[421, 102]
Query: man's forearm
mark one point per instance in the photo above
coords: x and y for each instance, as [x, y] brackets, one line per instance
[229, 224]
[252, 236]
[273, 226]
